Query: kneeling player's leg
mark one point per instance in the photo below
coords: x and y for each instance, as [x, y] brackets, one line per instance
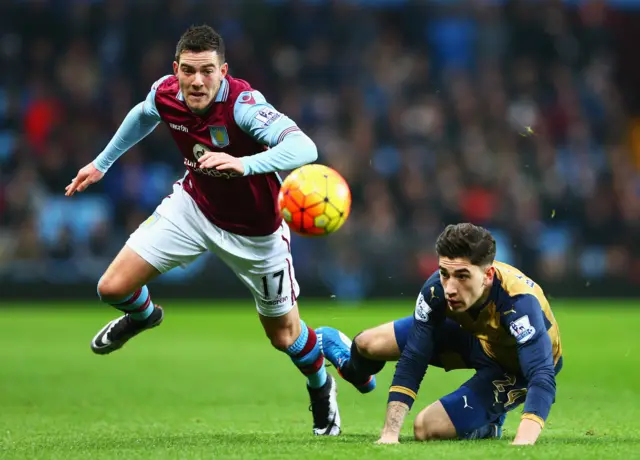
[476, 410]
[433, 422]
[359, 360]
[385, 342]
[265, 266]
[469, 412]
[459, 415]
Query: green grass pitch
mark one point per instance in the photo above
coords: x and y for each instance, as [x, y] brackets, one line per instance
[207, 384]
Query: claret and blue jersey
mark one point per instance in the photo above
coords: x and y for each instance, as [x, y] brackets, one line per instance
[240, 122]
[512, 341]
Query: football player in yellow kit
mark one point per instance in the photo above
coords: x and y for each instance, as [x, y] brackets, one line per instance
[472, 313]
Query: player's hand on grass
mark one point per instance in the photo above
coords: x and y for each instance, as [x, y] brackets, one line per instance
[527, 433]
[221, 162]
[388, 439]
[85, 177]
[396, 413]
[522, 442]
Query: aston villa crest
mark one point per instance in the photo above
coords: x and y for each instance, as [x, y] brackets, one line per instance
[219, 136]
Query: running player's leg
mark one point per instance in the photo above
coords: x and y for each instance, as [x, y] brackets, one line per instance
[165, 240]
[125, 275]
[291, 335]
[265, 266]
[123, 286]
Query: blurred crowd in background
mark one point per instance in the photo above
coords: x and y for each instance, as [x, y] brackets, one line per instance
[435, 112]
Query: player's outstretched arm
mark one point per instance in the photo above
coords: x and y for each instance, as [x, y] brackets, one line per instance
[396, 413]
[535, 354]
[410, 371]
[290, 148]
[138, 124]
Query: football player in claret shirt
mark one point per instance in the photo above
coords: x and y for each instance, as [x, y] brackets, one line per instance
[473, 313]
[233, 142]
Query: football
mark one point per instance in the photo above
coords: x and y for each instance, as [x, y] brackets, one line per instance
[314, 200]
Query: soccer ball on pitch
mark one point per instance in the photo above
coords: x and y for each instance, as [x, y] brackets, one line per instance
[314, 200]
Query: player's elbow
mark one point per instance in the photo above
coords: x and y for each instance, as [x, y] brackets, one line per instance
[312, 151]
[308, 150]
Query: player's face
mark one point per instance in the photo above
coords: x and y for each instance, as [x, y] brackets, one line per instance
[465, 285]
[200, 76]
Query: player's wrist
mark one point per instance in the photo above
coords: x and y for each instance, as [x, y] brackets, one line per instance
[400, 394]
[245, 166]
[534, 418]
[528, 432]
[96, 164]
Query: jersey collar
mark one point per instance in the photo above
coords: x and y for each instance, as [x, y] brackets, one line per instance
[223, 92]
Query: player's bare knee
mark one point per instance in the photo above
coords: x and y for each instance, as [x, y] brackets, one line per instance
[363, 342]
[112, 289]
[282, 340]
[420, 428]
[422, 431]
[283, 337]
[433, 424]
[282, 331]
[425, 431]
[368, 343]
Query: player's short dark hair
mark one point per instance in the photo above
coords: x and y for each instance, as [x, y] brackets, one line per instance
[200, 38]
[467, 241]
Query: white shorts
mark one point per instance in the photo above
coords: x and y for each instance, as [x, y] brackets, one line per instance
[177, 233]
